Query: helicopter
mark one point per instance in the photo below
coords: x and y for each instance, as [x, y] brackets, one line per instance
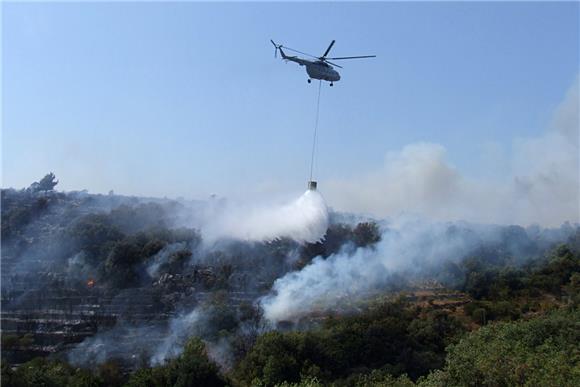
[321, 67]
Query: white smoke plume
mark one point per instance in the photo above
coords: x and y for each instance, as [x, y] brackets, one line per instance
[408, 245]
[303, 220]
[180, 328]
[162, 257]
[541, 185]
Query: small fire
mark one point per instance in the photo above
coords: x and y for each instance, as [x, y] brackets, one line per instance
[91, 283]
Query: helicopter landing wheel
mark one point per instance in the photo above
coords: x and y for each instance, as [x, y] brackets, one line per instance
[309, 80]
[331, 84]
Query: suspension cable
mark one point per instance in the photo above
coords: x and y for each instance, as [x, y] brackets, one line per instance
[315, 130]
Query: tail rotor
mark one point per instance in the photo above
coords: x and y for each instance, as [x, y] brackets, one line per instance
[276, 48]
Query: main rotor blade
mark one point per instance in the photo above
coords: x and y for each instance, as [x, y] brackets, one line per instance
[334, 64]
[328, 49]
[354, 57]
[300, 52]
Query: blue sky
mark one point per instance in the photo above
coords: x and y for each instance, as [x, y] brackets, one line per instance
[186, 99]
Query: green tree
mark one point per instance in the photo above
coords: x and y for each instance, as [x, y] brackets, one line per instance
[366, 234]
[540, 352]
[48, 373]
[191, 368]
[48, 182]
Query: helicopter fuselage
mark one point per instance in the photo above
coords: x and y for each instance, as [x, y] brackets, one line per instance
[315, 69]
[321, 70]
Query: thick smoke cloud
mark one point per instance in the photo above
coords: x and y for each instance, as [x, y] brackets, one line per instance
[542, 185]
[411, 249]
[408, 244]
[303, 220]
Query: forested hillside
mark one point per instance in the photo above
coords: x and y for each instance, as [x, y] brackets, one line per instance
[107, 290]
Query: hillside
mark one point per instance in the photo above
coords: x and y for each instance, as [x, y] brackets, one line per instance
[113, 290]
